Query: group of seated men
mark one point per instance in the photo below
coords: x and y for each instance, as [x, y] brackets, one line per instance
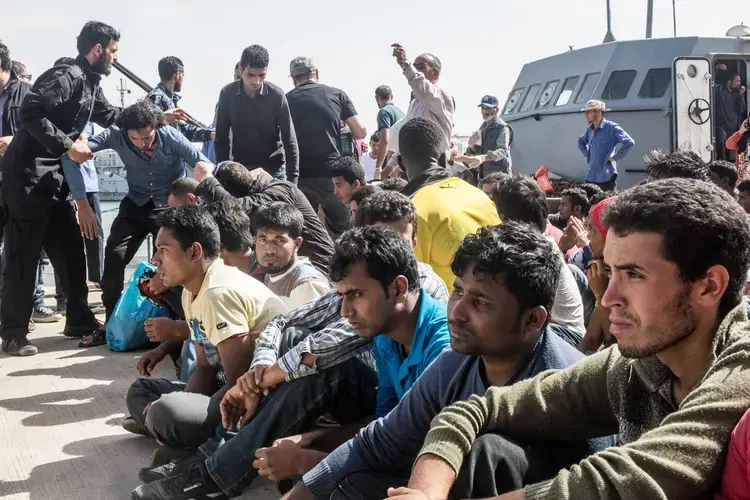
[452, 343]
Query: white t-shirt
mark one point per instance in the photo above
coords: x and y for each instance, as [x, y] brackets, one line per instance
[567, 309]
[369, 163]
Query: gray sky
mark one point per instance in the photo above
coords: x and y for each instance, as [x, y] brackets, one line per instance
[482, 43]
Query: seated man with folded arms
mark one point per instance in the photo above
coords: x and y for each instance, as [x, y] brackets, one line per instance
[506, 278]
[225, 308]
[347, 176]
[378, 281]
[673, 387]
[522, 200]
[278, 237]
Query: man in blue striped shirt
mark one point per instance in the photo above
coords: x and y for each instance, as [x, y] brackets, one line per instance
[598, 146]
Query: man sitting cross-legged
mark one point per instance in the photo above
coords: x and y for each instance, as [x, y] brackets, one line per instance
[225, 309]
[674, 386]
[377, 278]
[505, 284]
[278, 237]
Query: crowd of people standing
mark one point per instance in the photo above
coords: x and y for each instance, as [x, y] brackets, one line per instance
[400, 334]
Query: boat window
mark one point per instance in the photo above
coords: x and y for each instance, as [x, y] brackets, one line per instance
[513, 100]
[619, 84]
[656, 83]
[530, 96]
[549, 91]
[587, 89]
[567, 91]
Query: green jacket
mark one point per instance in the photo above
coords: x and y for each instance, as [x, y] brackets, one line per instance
[664, 453]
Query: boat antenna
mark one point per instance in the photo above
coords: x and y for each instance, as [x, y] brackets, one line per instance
[123, 89]
[650, 19]
[674, 17]
[609, 37]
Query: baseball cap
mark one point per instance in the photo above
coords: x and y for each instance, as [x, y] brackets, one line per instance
[301, 66]
[489, 101]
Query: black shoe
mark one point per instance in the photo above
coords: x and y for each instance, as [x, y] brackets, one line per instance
[16, 347]
[193, 484]
[174, 468]
[78, 332]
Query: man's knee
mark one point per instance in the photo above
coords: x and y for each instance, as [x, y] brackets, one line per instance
[363, 486]
[161, 418]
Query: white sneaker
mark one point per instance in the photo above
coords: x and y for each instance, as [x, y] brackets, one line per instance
[44, 314]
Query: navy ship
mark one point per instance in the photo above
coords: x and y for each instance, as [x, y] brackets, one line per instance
[659, 90]
[113, 184]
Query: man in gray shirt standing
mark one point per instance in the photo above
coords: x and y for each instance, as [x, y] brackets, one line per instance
[257, 115]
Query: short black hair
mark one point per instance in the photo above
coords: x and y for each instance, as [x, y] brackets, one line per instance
[591, 190]
[385, 253]
[420, 139]
[521, 199]
[725, 170]
[254, 56]
[578, 198]
[601, 196]
[360, 194]
[680, 164]
[169, 66]
[384, 92]
[386, 206]
[192, 224]
[5, 61]
[350, 169]
[744, 186]
[279, 215]
[514, 253]
[375, 137]
[234, 225]
[184, 186]
[235, 178]
[495, 178]
[18, 67]
[700, 226]
[142, 114]
[393, 184]
[95, 33]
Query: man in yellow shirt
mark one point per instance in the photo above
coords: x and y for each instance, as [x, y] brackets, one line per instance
[448, 208]
[225, 310]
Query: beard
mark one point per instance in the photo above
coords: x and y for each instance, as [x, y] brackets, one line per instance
[178, 86]
[677, 325]
[276, 268]
[102, 67]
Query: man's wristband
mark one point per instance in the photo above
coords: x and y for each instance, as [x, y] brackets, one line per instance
[405, 65]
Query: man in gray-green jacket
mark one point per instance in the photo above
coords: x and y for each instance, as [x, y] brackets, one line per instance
[673, 388]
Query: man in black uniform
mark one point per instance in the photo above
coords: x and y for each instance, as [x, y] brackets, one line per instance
[319, 113]
[35, 195]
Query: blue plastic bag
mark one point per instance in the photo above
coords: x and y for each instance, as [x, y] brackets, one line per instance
[125, 329]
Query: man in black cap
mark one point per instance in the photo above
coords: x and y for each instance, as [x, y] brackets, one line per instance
[326, 123]
[489, 147]
[256, 115]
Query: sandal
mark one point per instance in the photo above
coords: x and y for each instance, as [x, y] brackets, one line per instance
[96, 339]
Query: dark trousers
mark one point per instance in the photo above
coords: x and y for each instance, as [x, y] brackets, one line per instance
[722, 135]
[319, 192]
[95, 248]
[494, 466]
[347, 390]
[174, 417]
[129, 229]
[35, 222]
[610, 185]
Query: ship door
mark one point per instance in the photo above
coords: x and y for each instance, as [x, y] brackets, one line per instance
[691, 112]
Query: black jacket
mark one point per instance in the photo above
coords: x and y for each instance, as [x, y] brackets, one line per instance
[53, 115]
[317, 245]
[17, 89]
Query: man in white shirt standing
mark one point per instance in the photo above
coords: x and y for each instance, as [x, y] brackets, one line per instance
[429, 100]
[369, 160]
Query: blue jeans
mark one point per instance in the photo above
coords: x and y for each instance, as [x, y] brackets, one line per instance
[347, 390]
[39, 291]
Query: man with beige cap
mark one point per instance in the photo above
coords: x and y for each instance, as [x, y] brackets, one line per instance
[598, 145]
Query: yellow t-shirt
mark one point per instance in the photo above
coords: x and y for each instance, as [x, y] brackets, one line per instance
[229, 303]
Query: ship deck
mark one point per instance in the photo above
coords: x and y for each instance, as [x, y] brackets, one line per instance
[60, 416]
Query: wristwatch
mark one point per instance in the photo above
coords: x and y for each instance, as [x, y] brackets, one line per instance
[405, 65]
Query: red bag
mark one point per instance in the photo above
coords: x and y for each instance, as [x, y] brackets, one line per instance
[542, 179]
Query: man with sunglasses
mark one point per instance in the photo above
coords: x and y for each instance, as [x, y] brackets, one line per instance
[428, 99]
[21, 71]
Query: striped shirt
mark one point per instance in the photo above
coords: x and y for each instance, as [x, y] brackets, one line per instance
[332, 339]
